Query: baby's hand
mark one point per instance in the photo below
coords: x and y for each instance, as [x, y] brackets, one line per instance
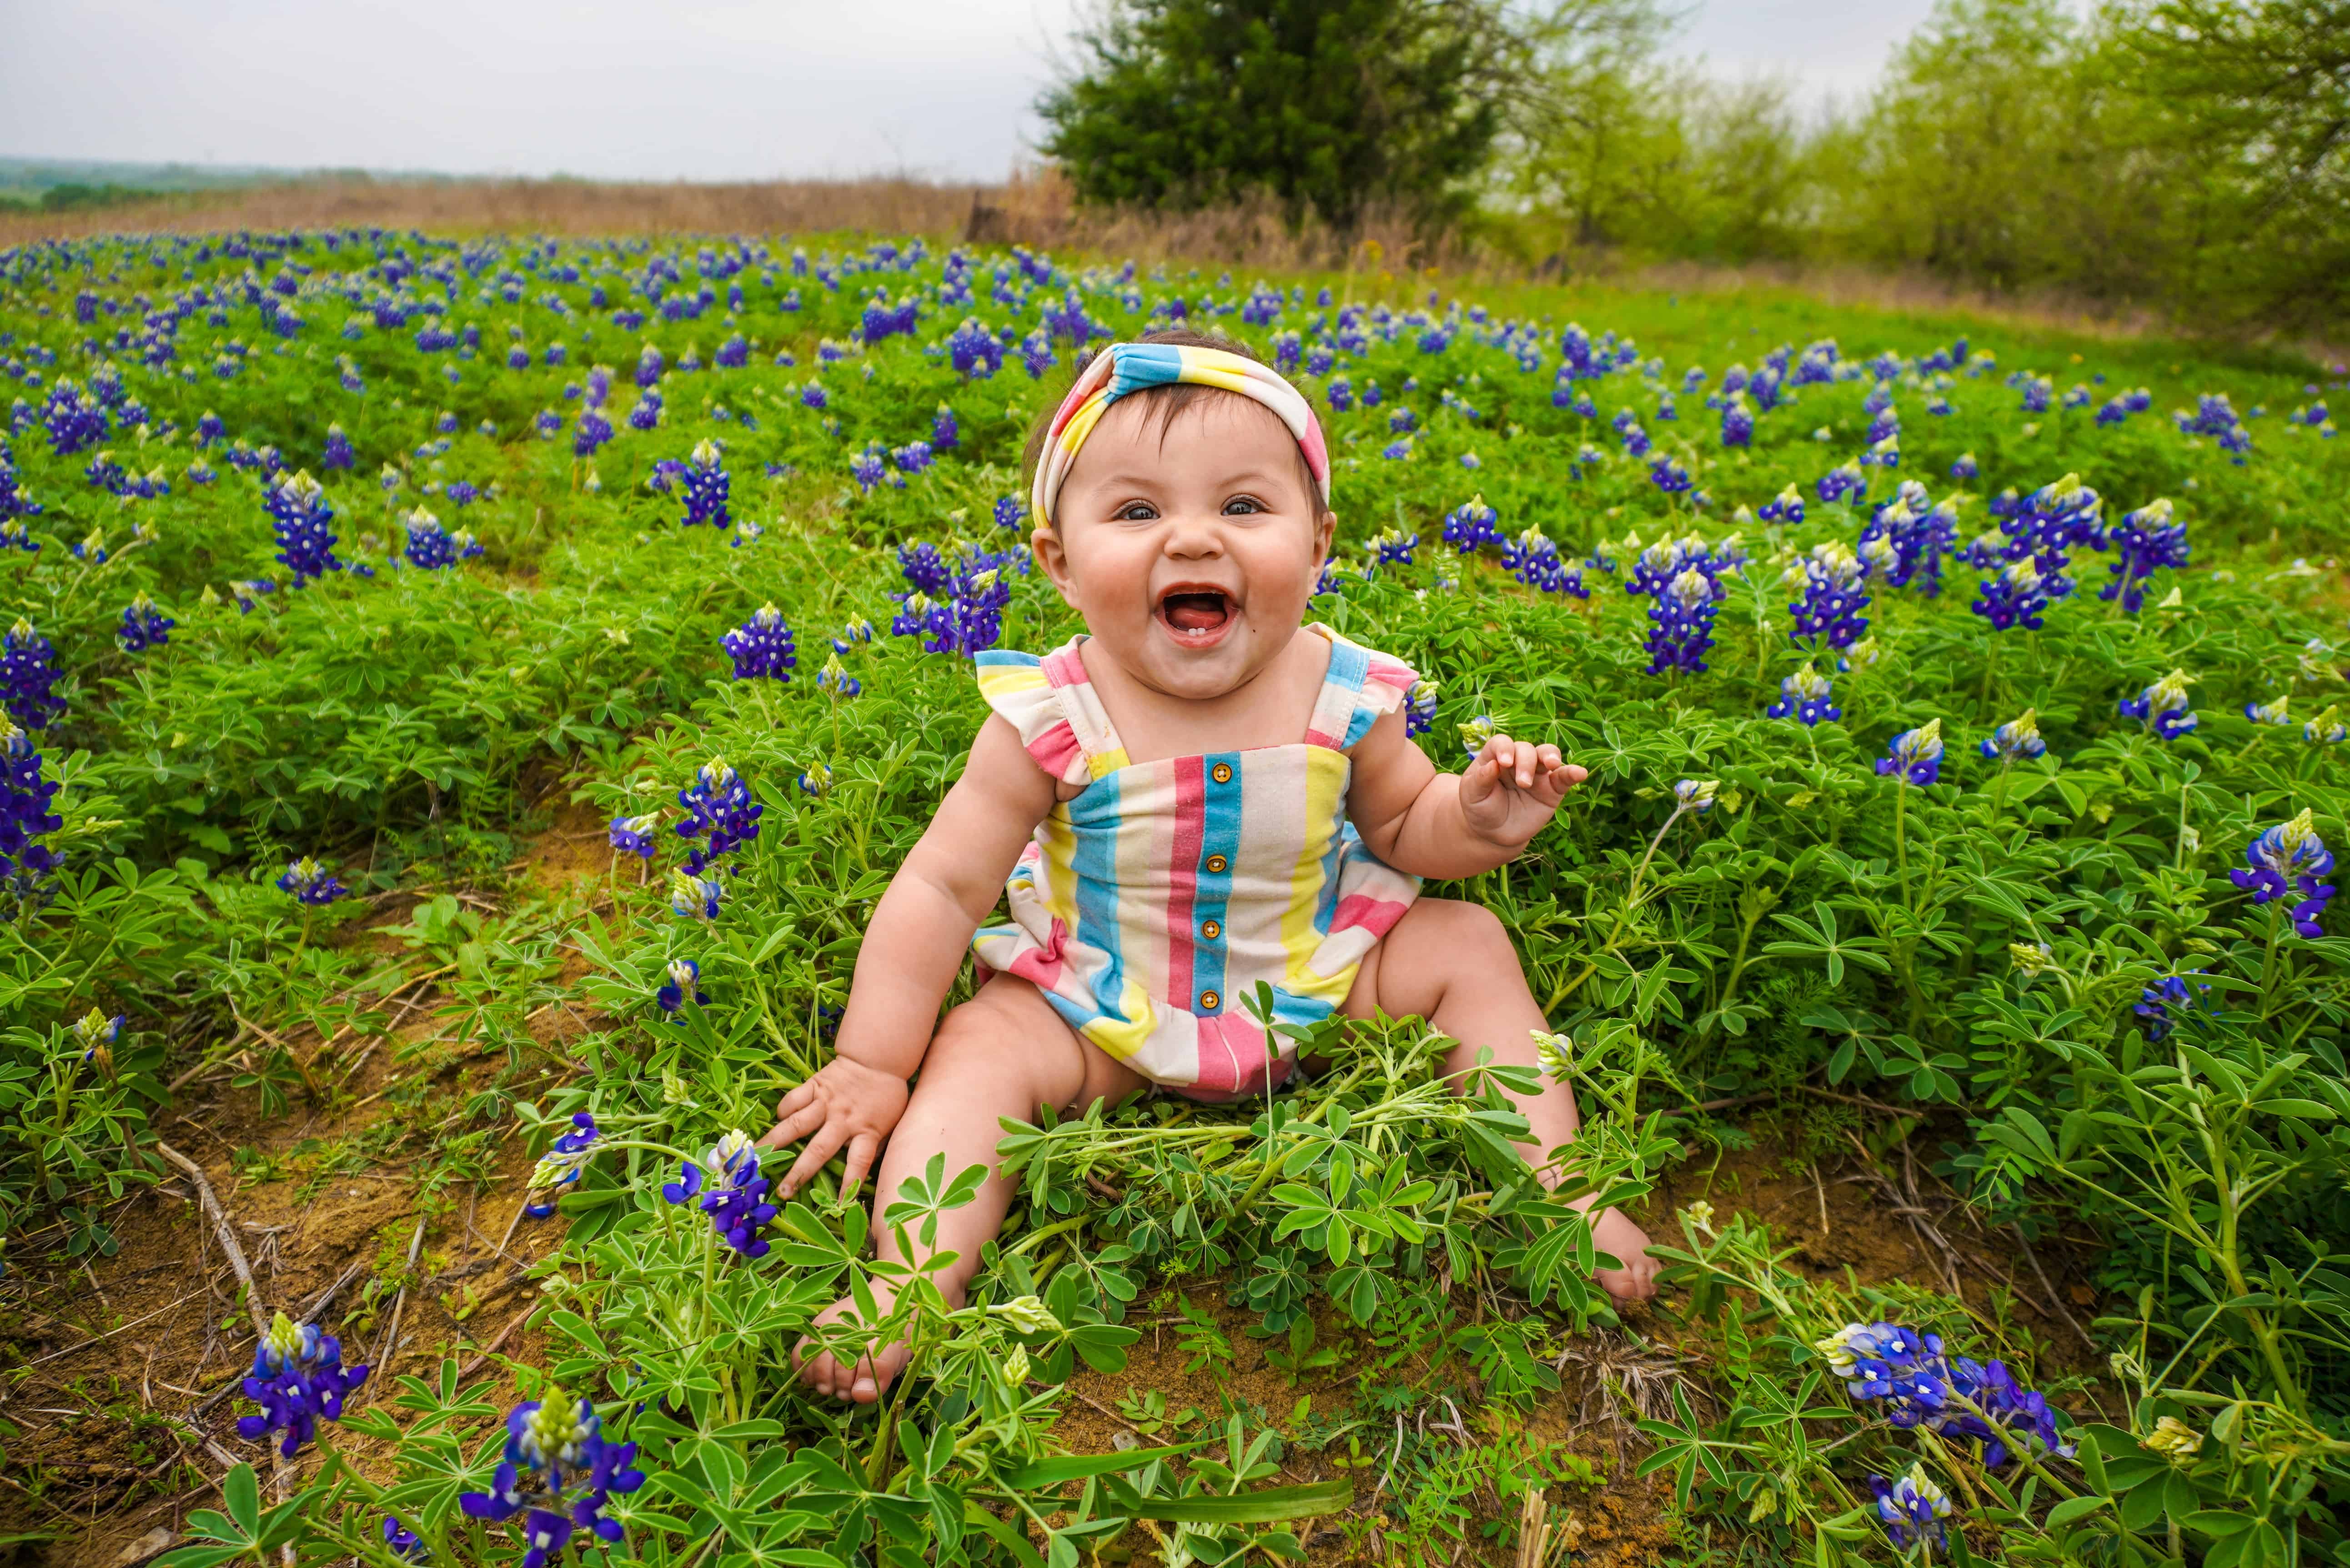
[846, 1103]
[1513, 787]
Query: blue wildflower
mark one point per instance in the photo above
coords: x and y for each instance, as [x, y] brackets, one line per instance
[2162, 707]
[1834, 594]
[685, 982]
[706, 483]
[1912, 1509]
[732, 1191]
[1788, 506]
[1471, 524]
[717, 803]
[1915, 754]
[2163, 1003]
[1419, 708]
[2146, 540]
[143, 625]
[560, 1470]
[25, 813]
[306, 545]
[562, 1165]
[310, 883]
[2017, 595]
[633, 835]
[1805, 697]
[298, 1379]
[763, 646]
[28, 668]
[2016, 739]
[1682, 622]
[337, 451]
[2290, 857]
[695, 897]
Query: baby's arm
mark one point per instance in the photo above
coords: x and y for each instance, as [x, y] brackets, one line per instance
[1452, 824]
[914, 949]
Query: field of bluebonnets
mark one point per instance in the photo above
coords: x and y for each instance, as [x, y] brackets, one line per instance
[465, 695]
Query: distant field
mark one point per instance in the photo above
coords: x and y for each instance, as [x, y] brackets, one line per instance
[1931, 691]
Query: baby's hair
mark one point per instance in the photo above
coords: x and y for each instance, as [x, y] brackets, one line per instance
[1165, 404]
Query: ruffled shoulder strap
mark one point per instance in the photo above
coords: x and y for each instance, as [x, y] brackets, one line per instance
[1362, 685]
[1054, 707]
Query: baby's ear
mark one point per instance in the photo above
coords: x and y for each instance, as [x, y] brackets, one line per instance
[1045, 546]
[1325, 536]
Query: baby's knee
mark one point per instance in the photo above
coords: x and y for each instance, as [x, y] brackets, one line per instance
[1461, 930]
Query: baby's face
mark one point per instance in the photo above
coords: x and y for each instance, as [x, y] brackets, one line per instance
[1191, 557]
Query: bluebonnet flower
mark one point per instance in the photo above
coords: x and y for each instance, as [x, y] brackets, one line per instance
[1912, 1509]
[1419, 708]
[1695, 795]
[306, 545]
[684, 983]
[556, 1458]
[633, 835]
[1681, 621]
[1476, 732]
[835, 679]
[1845, 483]
[75, 420]
[732, 354]
[248, 592]
[461, 493]
[2274, 713]
[28, 668]
[946, 431]
[298, 1379]
[436, 549]
[1471, 460]
[400, 1540]
[1636, 440]
[1393, 548]
[2016, 596]
[310, 883]
[1833, 580]
[718, 802]
[912, 458]
[955, 604]
[2147, 540]
[1909, 1373]
[1534, 559]
[2156, 1001]
[15, 504]
[1886, 453]
[24, 814]
[646, 413]
[2016, 739]
[1788, 506]
[1805, 696]
[732, 1191]
[549, 424]
[209, 429]
[2287, 859]
[337, 451]
[2162, 707]
[1397, 451]
[695, 897]
[706, 484]
[815, 781]
[763, 646]
[650, 365]
[562, 1165]
[144, 626]
[1471, 524]
[865, 469]
[853, 630]
[2326, 728]
[1915, 754]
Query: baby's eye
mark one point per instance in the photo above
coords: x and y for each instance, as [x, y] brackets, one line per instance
[1243, 506]
[1136, 512]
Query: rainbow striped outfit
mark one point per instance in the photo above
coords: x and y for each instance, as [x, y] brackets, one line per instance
[1152, 902]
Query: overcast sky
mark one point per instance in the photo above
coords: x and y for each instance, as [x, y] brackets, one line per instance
[646, 89]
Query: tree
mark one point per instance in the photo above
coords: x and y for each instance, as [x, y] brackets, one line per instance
[1330, 106]
[2249, 101]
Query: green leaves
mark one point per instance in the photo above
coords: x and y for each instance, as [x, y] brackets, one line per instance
[1819, 938]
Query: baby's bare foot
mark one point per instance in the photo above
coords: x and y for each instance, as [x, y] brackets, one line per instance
[869, 1378]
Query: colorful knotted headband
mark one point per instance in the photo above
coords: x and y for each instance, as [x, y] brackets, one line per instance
[1123, 367]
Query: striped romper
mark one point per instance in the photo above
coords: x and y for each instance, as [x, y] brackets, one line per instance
[1151, 903]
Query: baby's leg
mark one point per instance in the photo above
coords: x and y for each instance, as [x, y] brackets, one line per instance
[1452, 964]
[1002, 1053]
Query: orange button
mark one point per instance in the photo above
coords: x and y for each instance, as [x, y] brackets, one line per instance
[1221, 772]
[1210, 1001]
[1216, 863]
[1212, 930]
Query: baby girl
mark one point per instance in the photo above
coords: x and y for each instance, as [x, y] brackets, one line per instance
[1200, 794]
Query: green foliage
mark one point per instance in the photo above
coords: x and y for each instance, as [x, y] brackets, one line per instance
[1968, 953]
[1329, 106]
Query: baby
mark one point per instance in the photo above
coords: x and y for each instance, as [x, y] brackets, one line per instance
[1200, 794]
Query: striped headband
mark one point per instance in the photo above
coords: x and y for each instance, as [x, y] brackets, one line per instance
[1123, 367]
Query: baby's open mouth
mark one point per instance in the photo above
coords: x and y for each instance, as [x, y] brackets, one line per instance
[1192, 610]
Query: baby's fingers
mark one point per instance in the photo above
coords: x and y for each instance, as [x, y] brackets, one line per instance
[863, 1150]
[794, 1125]
[813, 1159]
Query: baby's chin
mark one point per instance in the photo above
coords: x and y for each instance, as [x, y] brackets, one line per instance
[1196, 669]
